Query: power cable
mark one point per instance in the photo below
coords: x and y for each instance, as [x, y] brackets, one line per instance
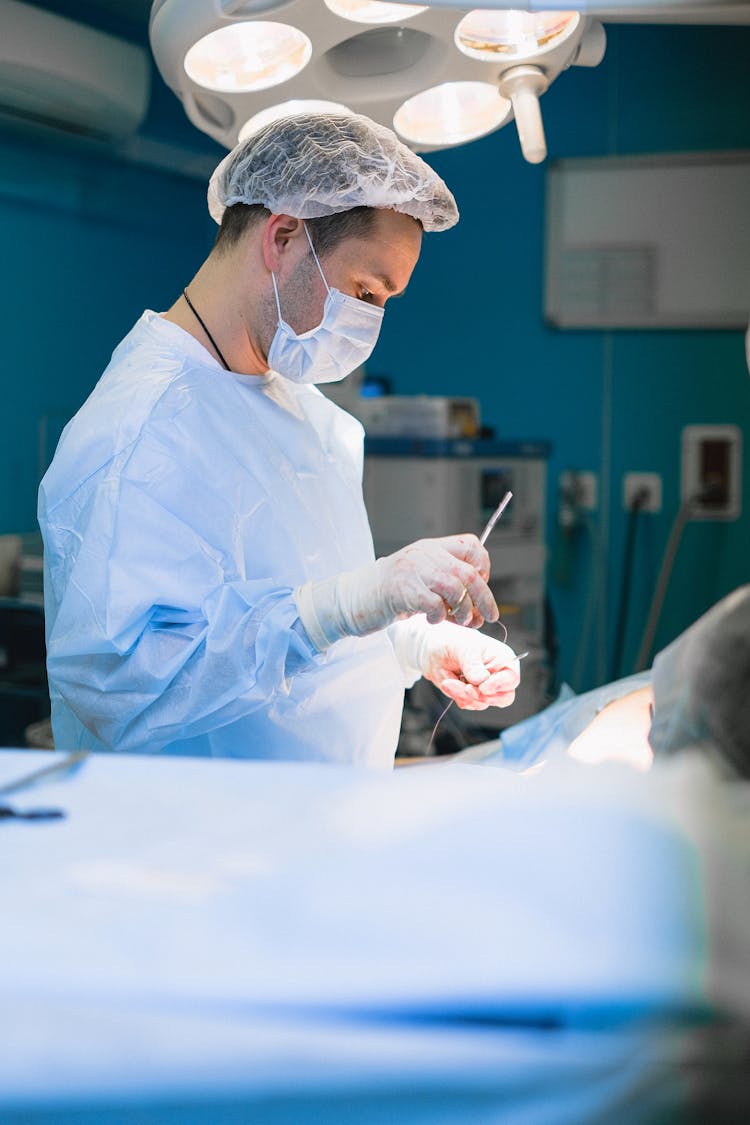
[618, 651]
[657, 602]
[594, 599]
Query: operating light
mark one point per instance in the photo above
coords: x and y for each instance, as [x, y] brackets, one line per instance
[374, 11]
[440, 72]
[248, 56]
[451, 113]
[288, 109]
[504, 35]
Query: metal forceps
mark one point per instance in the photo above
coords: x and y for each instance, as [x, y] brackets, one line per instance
[62, 766]
[495, 517]
[486, 534]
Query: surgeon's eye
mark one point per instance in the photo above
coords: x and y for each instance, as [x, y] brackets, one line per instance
[365, 294]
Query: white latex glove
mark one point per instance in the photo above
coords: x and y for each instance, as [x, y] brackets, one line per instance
[473, 669]
[437, 577]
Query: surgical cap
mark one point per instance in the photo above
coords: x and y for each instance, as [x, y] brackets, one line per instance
[701, 685]
[321, 164]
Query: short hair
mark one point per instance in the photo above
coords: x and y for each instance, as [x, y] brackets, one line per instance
[326, 232]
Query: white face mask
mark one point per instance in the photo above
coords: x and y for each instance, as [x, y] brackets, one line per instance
[343, 340]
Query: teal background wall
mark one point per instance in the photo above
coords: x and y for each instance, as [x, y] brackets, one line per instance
[85, 246]
[89, 242]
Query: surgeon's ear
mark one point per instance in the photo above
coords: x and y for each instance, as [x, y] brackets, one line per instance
[281, 239]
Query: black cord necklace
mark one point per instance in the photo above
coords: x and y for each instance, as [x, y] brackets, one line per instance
[199, 318]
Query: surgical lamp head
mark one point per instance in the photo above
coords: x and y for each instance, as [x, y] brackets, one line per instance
[324, 163]
[411, 67]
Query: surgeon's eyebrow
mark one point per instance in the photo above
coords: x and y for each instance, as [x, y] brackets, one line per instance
[388, 285]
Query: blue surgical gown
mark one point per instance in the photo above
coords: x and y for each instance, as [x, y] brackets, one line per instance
[183, 506]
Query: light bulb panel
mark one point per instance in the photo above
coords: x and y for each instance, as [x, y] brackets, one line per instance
[374, 69]
[451, 113]
[294, 108]
[374, 12]
[247, 56]
[509, 36]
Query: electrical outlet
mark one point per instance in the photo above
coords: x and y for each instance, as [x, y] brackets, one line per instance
[712, 471]
[579, 489]
[634, 484]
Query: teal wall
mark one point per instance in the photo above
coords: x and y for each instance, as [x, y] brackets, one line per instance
[88, 243]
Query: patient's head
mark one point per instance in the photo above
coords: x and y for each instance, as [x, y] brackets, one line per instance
[701, 686]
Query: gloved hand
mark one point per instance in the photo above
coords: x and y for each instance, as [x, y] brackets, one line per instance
[437, 577]
[471, 668]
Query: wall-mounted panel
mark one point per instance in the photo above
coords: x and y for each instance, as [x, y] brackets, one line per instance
[649, 242]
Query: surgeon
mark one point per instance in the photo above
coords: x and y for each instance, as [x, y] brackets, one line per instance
[210, 580]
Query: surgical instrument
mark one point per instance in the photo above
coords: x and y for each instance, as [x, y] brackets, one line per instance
[485, 536]
[482, 539]
[62, 766]
[495, 517]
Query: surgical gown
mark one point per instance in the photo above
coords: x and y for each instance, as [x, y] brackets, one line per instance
[183, 506]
